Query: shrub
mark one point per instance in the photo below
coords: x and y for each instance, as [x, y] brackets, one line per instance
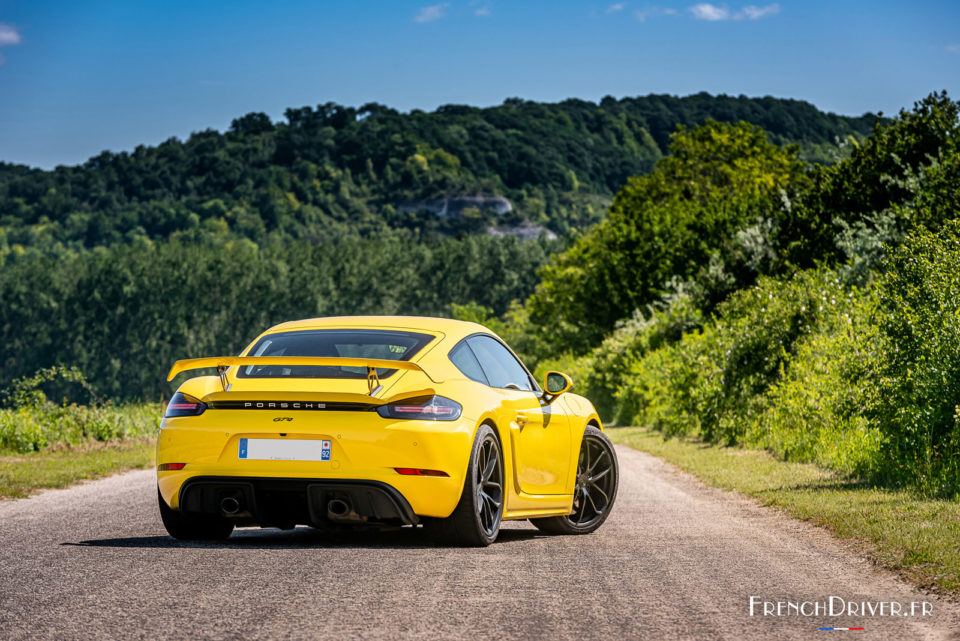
[600, 373]
[21, 431]
[28, 390]
[815, 412]
[918, 395]
[663, 388]
[709, 380]
[33, 428]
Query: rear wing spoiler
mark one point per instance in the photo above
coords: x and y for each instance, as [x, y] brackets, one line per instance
[223, 363]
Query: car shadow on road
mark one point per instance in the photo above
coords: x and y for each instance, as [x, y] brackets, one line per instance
[302, 537]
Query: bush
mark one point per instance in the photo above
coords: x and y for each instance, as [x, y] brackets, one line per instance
[33, 428]
[710, 380]
[28, 391]
[866, 382]
[663, 388]
[815, 412]
[918, 395]
[21, 431]
[599, 374]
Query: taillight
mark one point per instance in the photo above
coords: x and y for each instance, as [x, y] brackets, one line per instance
[170, 467]
[183, 405]
[424, 408]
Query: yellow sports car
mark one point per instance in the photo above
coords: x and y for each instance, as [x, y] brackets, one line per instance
[380, 421]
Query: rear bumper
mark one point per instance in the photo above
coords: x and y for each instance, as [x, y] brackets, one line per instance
[285, 502]
[364, 447]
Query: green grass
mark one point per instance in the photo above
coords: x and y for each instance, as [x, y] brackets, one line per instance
[46, 445]
[23, 474]
[917, 537]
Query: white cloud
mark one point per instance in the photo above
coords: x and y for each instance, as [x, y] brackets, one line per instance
[715, 13]
[617, 6]
[433, 12]
[707, 11]
[482, 8]
[653, 12]
[753, 12]
[9, 35]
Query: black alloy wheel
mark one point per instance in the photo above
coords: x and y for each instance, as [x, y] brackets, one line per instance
[596, 482]
[489, 485]
[595, 491]
[476, 519]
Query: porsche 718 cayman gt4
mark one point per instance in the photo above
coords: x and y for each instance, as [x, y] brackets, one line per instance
[380, 420]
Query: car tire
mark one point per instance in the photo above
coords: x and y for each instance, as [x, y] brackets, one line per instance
[598, 476]
[476, 520]
[193, 528]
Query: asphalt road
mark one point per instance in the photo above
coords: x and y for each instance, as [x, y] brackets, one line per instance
[675, 561]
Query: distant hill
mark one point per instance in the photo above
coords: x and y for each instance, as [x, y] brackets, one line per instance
[514, 168]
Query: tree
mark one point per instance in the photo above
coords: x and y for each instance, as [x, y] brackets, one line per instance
[670, 224]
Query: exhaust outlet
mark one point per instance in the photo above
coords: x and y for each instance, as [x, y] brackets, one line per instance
[338, 508]
[230, 505]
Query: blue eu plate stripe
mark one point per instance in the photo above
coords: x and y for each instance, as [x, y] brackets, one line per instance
[243, 448]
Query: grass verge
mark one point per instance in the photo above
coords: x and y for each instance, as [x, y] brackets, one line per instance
[23, 474]
[915, 536]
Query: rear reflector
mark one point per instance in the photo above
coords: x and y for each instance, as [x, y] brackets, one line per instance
[412, 471]
[169, 467]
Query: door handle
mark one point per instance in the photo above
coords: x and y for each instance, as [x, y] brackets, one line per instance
[522, 419]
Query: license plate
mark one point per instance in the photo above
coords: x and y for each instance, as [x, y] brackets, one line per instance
[284, 449]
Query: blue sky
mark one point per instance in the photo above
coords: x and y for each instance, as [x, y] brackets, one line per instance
[78, 77]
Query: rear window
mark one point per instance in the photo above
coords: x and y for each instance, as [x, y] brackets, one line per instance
[336, 343]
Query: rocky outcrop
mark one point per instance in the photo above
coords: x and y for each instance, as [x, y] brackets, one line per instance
[452, 207]
[527, 230]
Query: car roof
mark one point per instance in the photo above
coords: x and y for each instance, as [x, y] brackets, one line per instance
[447, 326]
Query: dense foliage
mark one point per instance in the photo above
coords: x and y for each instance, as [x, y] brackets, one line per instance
[905, 174]
[335, 169]
[677, 223]
[123, 316]
[842, 350]
[917, 402]
[727, 206]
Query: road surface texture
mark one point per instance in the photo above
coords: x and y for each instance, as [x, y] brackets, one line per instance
[676, 560]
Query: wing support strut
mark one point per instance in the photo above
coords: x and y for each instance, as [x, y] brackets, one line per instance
[373, 381]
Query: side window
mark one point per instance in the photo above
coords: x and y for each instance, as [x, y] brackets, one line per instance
[462, 356]
[500, 366]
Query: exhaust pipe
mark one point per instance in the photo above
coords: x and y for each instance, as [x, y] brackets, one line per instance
[338, 508]
[230, 505]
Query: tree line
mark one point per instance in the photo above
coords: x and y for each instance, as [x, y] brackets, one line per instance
[338, 169]
[122, 316]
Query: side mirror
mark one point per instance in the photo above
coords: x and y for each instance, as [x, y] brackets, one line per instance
[555, 384]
